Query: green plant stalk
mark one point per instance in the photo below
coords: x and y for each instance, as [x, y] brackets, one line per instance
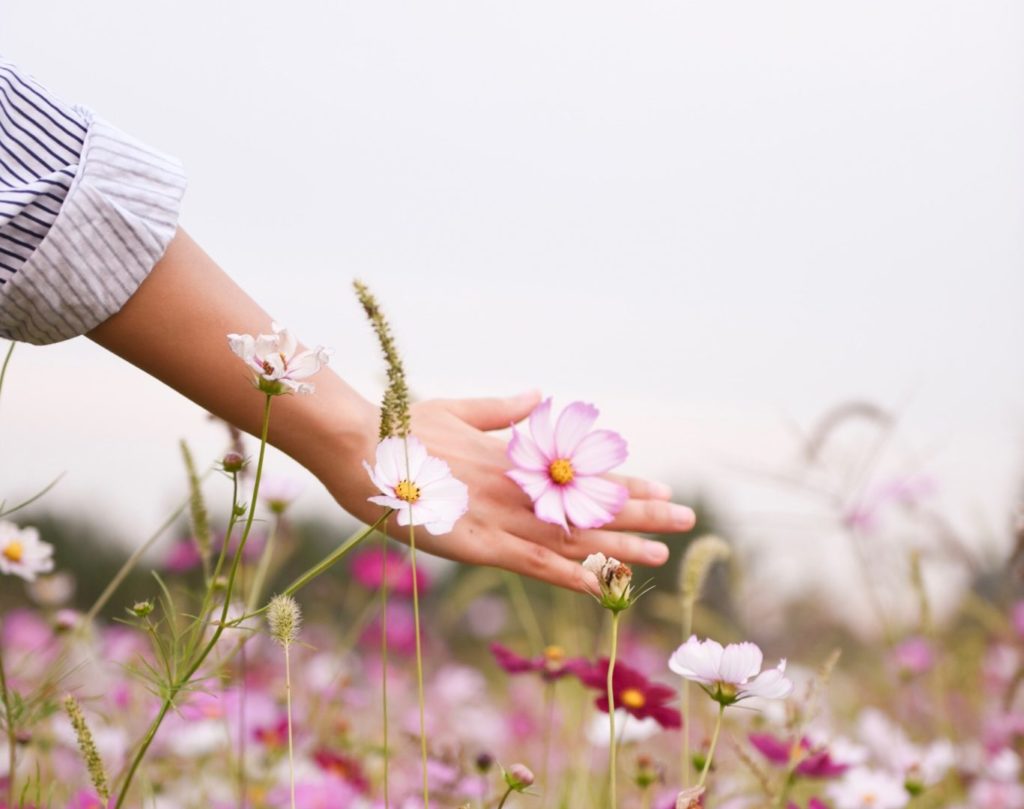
[612, 746]
[419, 660]
[7, 361]
[527, 617]
[384, 664]
[505, 797]
[12, 737]
[180, 683]
[711, 749]
[549, 722]
[263, 567]
[288, 702]
[684, 761]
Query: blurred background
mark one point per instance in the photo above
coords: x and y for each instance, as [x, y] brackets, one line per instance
[780, 245]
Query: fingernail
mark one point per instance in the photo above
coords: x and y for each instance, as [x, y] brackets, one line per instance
[682, 516]
[656, 553]
[661, 491]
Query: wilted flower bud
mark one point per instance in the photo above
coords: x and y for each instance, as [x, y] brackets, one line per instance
[615, 578]
[518, 777]
[140, 609]
[648, 772]
[284, 618]
[484, 762]
[65, 620]
[233, 462]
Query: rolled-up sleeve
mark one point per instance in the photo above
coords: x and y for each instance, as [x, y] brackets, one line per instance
[86, 211]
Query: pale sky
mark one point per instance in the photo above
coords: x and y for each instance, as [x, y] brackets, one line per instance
[713, 220]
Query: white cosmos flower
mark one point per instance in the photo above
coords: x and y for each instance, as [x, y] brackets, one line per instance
[277, 362]
[22, 553]
[417, 485]
[869, 789]
[731, 673]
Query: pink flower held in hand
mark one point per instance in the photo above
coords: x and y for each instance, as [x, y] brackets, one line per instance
[560, 467]
[418, 486]
[277, 362]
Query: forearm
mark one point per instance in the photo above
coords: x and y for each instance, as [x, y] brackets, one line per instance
[175, 328]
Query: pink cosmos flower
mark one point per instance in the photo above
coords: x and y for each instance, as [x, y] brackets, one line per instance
[560, 467]
[551, 665]
[731, 673]
[277, 362]
[418, 486]
[814, 762]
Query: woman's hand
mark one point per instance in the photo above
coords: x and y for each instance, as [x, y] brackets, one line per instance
[500, 528]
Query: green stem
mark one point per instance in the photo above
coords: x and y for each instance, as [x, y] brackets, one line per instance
[419, 660]
[505, 797]
[527, 617]
[711, 749]
[8, 715]
[549, 722]
[178, 685]
[263, 567]
[7, 360]
[612, 746]
[384, 663]
[288, 701]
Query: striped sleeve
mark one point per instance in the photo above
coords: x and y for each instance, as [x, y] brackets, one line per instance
[86, 211]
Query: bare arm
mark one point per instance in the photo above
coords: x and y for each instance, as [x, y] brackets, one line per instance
[174, 328]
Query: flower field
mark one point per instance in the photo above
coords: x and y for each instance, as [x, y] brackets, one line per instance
[243, 658]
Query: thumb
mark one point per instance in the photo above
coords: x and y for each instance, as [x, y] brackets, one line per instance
[494, 413]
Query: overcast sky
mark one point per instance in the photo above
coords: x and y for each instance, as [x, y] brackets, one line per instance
[715, 220]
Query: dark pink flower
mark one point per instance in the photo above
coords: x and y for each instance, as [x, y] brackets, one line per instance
[814, 762]
[633, 693]
[344, 767]
[552, 664]
[913, 656]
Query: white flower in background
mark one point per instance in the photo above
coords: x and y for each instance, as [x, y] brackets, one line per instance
[277, 362]
[278, 493]
[731, 673]
[628, 729]
[22, 553]
[869, 789]
[418, 486]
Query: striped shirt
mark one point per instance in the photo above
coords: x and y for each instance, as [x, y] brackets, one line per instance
[85, 213]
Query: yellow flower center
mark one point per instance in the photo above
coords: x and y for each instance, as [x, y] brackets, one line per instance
[561, 471]
[633, 698]
[554, 654]
[408, 491]
[869, 799]
[14, 550]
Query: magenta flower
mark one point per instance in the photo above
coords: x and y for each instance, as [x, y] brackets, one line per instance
[552, 664]
[813, 762]
[560, 468]
[633, 692]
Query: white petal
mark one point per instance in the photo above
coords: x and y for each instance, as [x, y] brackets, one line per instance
[740, 662]
[524, 453]
[540, 428]
[770, 684]
[242, 345]
[582, 510]
[433, 470]
[573, 425]
[533, 483]
[303, 365]
[390, 466]
[548, 507]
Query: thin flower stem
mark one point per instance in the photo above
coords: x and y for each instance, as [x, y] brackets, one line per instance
[684, 763]
[549, 721]
[263, 566]
[419, 660]
[384, 663]
[8, 716]
[505, 797]
[612, 746]
[527, 616]
[711, 749]
[7, 360]
[176, 687]
[646, 797]
[288, 701]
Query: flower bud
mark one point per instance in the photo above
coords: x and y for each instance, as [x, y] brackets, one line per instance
[518, 777]
[140, 609]
[692, 798]
[484, 762]
[615, 578]
[233, 462]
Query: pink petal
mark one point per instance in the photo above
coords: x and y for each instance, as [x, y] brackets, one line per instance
[540, 428]
[573, 425]
[609, 495]
[525, 454]
[548, 507]
[533, 483]
[582, 510]
[598, 452]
